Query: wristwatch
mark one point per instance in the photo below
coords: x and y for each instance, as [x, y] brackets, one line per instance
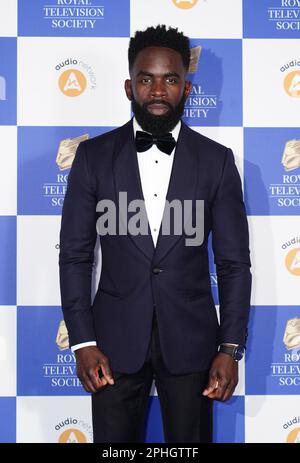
[236, 351]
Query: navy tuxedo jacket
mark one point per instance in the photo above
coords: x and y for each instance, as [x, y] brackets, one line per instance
[171, 278]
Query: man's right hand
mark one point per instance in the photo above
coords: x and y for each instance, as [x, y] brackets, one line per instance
[90, 362]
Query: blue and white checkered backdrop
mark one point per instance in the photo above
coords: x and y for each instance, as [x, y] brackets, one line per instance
[62, 67]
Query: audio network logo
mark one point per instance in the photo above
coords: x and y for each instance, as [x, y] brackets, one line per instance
[185, 4]
[292, 261]
[2, 89]
[74, 431]
[292, 257]
[292, 84]
[76, 77]
[291, 81]
[293, 436]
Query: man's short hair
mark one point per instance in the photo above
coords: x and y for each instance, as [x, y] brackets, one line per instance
[160, 36]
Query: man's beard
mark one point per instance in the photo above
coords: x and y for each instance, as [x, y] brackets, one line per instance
[157, 125]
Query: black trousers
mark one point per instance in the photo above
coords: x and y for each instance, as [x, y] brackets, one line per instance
[119, 410]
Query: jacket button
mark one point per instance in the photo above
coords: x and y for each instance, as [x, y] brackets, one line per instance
[156, 270]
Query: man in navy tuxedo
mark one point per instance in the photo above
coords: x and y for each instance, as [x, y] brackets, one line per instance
[153, 315]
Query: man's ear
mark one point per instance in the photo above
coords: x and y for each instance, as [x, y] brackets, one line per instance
[128, 89]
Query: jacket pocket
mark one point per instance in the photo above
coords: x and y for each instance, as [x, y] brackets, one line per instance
[194, 295]
[111, 292]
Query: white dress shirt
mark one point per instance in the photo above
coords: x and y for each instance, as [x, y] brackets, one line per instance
[155, 170]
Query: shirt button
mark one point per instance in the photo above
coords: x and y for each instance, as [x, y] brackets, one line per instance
[155, 194]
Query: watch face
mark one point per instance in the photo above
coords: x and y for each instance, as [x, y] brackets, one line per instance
[239, 353]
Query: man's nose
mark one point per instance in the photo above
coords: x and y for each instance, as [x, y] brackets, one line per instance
[158, 88]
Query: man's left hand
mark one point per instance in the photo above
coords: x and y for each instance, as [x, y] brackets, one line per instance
[223, 378]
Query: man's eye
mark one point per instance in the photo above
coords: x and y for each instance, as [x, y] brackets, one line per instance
[171, 80]
[145, 80]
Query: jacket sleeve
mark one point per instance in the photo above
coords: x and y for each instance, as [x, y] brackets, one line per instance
[77, 241]
[230, 242]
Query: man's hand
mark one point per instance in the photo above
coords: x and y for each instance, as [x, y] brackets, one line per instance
[89, 361]
[223, 378]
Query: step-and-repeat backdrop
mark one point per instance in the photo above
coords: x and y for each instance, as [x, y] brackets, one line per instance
[62, 67]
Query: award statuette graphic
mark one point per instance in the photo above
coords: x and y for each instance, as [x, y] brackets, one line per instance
[291, 155]
[195, 55]
[62, 337]
[67, 150]
[291, 336]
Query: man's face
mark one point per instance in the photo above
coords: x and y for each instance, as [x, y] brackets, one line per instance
[157, 88]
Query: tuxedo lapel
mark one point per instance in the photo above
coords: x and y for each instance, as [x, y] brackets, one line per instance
[182, 186]
[127, 179]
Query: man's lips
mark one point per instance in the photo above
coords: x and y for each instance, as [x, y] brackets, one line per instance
[158, 108]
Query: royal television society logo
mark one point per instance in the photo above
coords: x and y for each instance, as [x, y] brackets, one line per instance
[287, 371]
[198, 103]
[55, 190]
[74, 431]
[291, 81]
[75, 77]
[285, 15]
[62, 372]
[286, 192]
[2, 89]
[73, 14]
[185, 4]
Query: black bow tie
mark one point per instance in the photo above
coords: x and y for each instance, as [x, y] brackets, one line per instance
[164, 142]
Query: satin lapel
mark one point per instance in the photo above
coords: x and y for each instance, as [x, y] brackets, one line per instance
[127, 179]
[182, 186]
